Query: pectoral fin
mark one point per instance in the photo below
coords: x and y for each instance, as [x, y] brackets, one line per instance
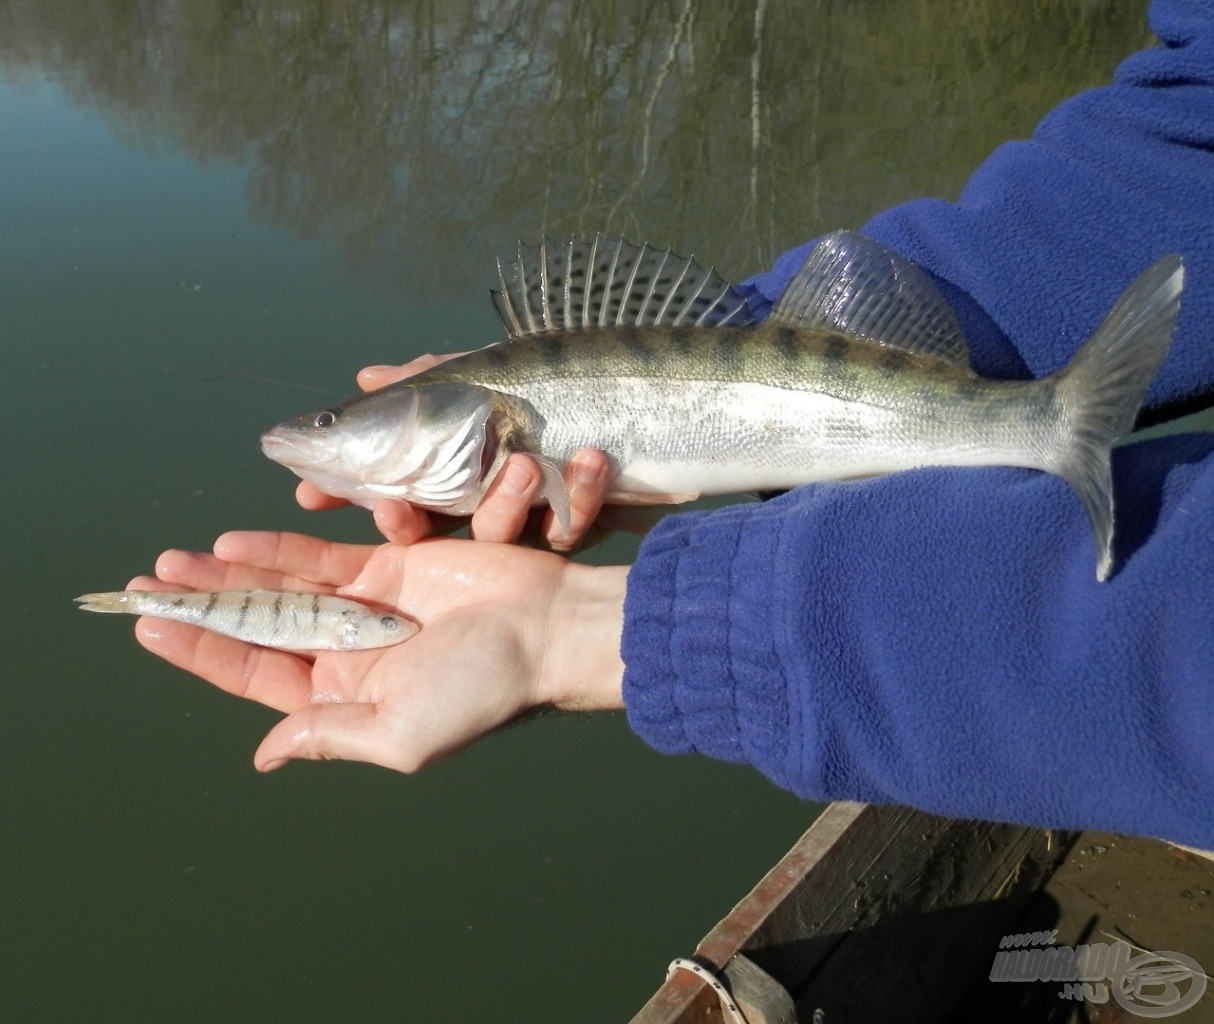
[553, 488]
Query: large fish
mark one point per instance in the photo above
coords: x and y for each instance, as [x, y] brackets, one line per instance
[272, 618]
[861, 369]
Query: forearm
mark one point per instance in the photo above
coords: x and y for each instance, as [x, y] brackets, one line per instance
[937, 639]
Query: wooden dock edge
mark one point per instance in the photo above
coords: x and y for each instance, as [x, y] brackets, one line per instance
[876, 910]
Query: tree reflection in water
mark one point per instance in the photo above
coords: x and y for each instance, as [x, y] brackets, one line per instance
[412, 133]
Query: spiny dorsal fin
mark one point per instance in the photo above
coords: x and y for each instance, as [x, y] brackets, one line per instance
[610, 283]
[852, 284]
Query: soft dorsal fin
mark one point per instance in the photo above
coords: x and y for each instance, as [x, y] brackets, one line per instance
[610, 283]
[852, 284]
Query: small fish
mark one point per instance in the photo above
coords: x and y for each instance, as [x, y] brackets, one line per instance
[271, 618]
[861, 369]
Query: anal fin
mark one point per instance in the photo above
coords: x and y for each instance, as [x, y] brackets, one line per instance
[649, 498]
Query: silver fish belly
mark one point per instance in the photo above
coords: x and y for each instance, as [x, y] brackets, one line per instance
[269, 618]
[860, 370]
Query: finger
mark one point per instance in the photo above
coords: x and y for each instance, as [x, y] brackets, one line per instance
[503, 511]
[150, 583]
[314, 499]
[294, 554]
[372, 377]
[400, 522]
[195, 570]
[586, 479]
[275, 678]
[322, 732]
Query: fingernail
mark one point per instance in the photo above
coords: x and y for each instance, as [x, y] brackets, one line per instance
[270, 766]
[517, 479]
[386, 511]
[587, 473]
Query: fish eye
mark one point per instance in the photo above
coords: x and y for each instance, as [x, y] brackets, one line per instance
[388, 622]
[326, 418]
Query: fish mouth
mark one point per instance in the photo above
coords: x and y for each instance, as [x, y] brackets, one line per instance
[285, 448]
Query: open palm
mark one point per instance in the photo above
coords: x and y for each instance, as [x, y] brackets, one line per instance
[495, 640]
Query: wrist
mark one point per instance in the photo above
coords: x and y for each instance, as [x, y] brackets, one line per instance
[581, 668]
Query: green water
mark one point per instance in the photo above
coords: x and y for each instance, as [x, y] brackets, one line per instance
[198, 200]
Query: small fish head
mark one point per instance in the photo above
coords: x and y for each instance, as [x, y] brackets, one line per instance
[428, 443]
[363, 632]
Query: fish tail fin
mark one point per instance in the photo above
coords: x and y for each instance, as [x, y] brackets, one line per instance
[1102, 388]
[117, 601]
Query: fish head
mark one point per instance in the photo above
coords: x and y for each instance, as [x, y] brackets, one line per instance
[375, 629]
[430, 443]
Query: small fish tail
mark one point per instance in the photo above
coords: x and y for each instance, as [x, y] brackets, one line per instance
[1103, 386]
[116, 601]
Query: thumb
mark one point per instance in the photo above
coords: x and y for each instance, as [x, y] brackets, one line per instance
[323, 732]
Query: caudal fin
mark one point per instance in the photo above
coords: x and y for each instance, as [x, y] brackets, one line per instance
[118, 601]
[1103, 386]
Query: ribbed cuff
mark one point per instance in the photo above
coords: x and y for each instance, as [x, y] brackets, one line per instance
[703, 615]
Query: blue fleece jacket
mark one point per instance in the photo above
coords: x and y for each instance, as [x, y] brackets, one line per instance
[937, 637]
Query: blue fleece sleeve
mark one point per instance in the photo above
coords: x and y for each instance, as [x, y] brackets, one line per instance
[937, 637]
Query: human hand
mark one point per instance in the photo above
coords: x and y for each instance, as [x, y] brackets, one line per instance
[503, 629]
[505, 514]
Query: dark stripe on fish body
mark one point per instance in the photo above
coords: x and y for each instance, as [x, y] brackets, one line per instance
[725, 351]
[835, 348]
[892, 361]
[787, 345]
[1042, 398]
[634, 342]
[315, 612]
[972, 390]
[554, 352]
[496, 357]
[212, 601]
[244, 612]
[1021, 400]
[681, 340]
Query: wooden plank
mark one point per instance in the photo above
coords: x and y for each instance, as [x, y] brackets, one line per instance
[762, 999]
[874, 908]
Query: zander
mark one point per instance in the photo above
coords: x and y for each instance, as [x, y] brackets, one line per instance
[271, 618]
[861, 369]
